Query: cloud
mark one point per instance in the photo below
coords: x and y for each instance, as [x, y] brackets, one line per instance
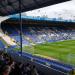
[65, 10]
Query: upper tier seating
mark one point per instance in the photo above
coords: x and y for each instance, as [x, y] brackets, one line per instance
[38, 35]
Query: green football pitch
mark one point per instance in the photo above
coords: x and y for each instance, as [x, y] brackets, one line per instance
[63, 51]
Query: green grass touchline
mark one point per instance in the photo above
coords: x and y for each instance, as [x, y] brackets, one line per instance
[63, 51]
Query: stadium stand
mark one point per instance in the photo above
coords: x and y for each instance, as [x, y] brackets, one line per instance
[7, 64]
[38, 35]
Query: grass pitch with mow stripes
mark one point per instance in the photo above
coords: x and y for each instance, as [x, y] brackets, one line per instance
[63, 51]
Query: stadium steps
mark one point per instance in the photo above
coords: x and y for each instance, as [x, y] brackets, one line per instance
[7, 40]
[18, 43]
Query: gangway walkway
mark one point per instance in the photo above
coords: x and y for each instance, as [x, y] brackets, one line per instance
[7, 40]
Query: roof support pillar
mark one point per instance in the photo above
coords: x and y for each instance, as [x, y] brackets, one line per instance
[20, 19]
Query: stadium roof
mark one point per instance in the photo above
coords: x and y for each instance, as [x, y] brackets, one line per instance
[37, 21]
[16, 17]
[8, 7]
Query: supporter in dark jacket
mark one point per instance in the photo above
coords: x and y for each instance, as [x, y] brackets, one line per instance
[16, 70]
[28, 69]
[34, 71]
[6, 70]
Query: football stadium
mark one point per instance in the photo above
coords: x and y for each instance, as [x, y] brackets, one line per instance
[35, 45]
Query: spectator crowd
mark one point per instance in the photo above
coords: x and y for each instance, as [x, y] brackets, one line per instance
[37, 34]
[8, 66]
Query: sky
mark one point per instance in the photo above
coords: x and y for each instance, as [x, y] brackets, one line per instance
[65, 10]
